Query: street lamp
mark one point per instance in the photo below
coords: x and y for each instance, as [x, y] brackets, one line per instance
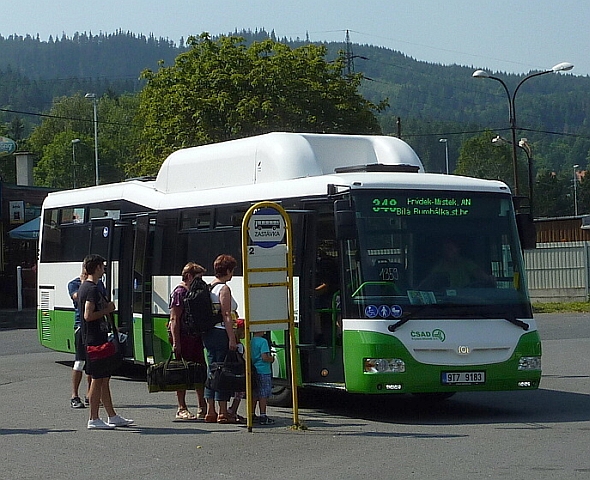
[499, 141]
[575, 192]
[524, 145]
[560, 67]
[444, 140]
[93, 97]
[74, 142]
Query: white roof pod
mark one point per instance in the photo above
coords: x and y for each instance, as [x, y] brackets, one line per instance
[277, 156]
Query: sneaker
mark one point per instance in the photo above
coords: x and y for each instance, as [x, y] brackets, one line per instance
[86, 401]
[76, 403]
[264, 420]
[98, 424]
[119, 421]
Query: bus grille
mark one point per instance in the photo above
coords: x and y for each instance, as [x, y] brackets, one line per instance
[44, 306]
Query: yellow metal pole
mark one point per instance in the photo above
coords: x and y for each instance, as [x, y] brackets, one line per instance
[291, 311]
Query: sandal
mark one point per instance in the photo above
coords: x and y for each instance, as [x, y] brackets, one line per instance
[235, 417]
[184, 414]
[211, 418]
[225, 418]
[201, 413]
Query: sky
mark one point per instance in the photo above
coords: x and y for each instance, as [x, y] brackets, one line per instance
[501, 36]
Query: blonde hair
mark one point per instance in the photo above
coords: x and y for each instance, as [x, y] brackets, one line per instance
[193, 269]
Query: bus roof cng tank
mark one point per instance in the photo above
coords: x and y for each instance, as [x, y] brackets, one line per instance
[277, 156]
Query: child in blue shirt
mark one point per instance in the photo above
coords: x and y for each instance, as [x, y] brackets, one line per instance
[262, 360]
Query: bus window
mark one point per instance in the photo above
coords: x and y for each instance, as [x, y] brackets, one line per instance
[227, 217]
[400, 258]
[199, 219]
[71, 215]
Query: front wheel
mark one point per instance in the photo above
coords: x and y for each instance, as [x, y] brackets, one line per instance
[281, 396]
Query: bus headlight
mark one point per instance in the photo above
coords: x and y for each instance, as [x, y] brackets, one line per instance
[529, 363]
[384, 365]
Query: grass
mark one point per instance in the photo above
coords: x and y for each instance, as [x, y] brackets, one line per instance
[565, 307]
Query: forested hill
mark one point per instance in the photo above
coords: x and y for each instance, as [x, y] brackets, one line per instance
[33, 72]
[432, 101]
[113, 56]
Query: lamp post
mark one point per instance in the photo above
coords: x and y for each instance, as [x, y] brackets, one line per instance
[575, 191]
[524, 145]
[74, 142]
[444, 140]
[93, 97]
[560, 67]
[498, 141]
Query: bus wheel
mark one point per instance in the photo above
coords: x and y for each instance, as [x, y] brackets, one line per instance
[434, 396]
[281, 397]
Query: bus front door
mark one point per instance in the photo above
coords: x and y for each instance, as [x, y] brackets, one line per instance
[143, 329]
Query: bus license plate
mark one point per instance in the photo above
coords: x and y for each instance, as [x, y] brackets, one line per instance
[463, 378]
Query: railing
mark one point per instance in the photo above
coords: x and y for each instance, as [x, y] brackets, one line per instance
[558, 272]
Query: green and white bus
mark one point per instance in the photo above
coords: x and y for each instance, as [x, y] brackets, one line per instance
[374, 312]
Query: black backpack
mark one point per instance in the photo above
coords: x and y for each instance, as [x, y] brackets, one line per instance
[198, 308]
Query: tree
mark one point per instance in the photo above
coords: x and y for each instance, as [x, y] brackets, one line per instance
[553, 195]
[56, 166]
[119, 136]
[71, 118]
[583, 193]
[221, 89]
[479, 158]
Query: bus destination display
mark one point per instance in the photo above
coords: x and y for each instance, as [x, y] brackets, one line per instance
[423, 205]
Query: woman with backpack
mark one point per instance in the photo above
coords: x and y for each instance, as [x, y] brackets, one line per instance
[186, 342]
[221, 338]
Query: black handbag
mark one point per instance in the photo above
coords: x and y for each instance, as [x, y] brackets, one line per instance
[229, 375]
[105, 359]
[173, 375]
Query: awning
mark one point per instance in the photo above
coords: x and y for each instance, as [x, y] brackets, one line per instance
[26, 231]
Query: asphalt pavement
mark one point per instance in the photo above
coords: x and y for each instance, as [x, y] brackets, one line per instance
[540, 434]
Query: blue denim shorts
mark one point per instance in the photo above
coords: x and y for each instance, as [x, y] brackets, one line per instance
[217, 344]
[264, 389]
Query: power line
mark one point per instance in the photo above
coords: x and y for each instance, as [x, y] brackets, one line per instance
[59, 117]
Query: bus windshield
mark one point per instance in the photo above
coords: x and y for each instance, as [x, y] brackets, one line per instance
[441, 254]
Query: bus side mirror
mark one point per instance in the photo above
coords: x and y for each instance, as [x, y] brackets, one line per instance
[344, 220]
[526, 231]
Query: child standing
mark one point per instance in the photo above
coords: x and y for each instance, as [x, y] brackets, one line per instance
[262, 360]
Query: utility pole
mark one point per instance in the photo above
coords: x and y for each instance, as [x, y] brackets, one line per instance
[349, 55]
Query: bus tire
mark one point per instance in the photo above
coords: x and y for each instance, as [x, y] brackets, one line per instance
[281, 397]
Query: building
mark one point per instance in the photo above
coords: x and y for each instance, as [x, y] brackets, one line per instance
[19, 204]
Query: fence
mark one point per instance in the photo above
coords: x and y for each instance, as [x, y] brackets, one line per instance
[558, 272]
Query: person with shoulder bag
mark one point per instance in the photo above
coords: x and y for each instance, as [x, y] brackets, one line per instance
[221, 338]
[186, 342]
[93, 308]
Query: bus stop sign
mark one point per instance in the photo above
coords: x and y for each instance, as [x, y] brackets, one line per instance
[266, 227]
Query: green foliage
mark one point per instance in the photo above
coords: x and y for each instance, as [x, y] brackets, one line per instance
[56, 167]
[222, 89]
[72, 118]
[228, 88]
[479, 158]
[553, 194]
[557, 307]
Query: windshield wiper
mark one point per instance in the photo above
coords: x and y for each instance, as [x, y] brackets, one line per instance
[519, 323]
[399, 323]
[515, 321]
[408, 316]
